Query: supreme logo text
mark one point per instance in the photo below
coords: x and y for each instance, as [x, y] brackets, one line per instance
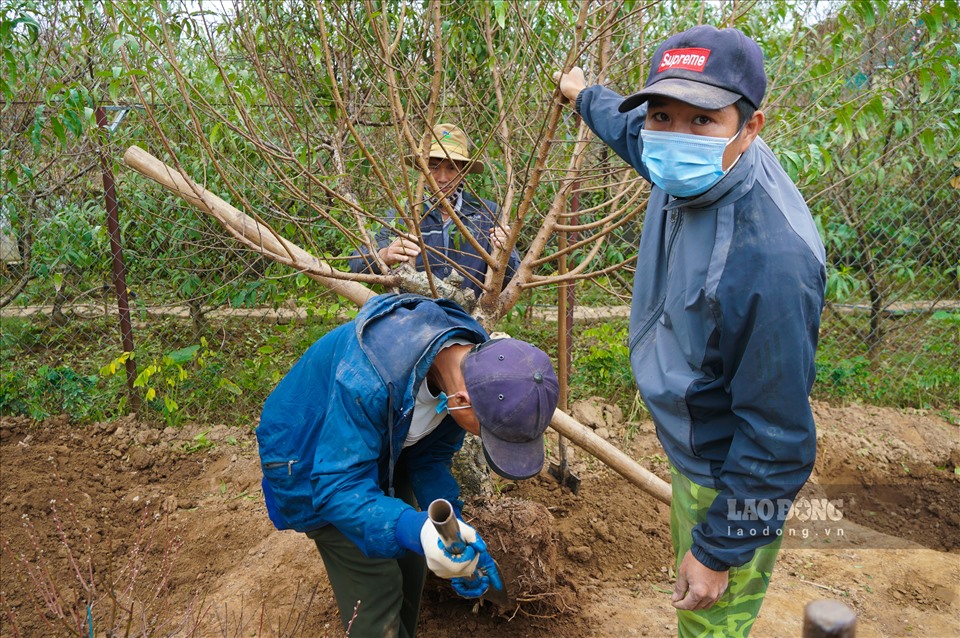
[693, 59]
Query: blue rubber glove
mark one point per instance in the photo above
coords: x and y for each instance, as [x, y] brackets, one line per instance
[473, 587]
[415, 532]
[484, 577]
[408, 530]
[489, 569]
[442, 560]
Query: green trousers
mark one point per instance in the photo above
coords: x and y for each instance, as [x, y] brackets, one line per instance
[733, 615]
[388, 590]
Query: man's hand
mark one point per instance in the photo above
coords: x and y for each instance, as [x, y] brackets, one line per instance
[483, 577]
[498, 237]
[444, 564]
[697, 586]
[570, 83]
[473, 587]
[404, 248]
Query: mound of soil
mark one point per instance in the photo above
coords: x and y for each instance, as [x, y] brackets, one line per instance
[151, 531]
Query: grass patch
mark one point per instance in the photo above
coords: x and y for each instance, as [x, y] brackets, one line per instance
[914, 365]
[223, 373]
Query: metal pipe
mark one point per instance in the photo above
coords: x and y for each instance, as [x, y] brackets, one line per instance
[441, 515]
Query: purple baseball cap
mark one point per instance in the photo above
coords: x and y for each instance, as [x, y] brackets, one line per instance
[706, 67]
[514, 393]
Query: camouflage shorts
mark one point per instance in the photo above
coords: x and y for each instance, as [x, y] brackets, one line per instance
[732, 616]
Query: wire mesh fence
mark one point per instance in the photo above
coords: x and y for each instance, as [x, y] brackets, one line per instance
[212, 326]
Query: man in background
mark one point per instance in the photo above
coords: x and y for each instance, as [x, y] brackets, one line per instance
[449, 162]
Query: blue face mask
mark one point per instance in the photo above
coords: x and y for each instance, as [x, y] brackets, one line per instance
[684, 165]
[442, 404]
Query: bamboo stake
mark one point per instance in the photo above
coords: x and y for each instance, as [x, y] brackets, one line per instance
[247, 230]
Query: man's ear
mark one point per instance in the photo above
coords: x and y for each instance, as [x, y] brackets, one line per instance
[751, 130]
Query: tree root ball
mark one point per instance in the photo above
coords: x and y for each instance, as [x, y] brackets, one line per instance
[521, 537]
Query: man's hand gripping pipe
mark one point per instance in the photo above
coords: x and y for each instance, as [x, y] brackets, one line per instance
[486, 582]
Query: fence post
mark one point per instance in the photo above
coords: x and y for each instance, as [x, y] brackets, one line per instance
[829, 619]
[566, 297]
[116, 253]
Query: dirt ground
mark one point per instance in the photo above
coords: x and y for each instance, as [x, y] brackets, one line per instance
[166, 534]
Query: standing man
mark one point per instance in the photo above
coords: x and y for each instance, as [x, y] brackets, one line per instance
[725, 314]
[362, 431]
[449, 162]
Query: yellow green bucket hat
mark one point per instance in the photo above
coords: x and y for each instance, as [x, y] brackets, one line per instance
[450, 142]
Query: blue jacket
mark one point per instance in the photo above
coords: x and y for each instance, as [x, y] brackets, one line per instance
[724, 322]
[478, 215]
[332, 431]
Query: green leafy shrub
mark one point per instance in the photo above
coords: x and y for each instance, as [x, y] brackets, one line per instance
[180, 380]
[843, 379]
[602, 363]
[48, 390]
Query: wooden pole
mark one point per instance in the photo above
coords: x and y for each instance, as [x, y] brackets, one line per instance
[829, 619]
[118, 268]
[585, 438]
[243, 227]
